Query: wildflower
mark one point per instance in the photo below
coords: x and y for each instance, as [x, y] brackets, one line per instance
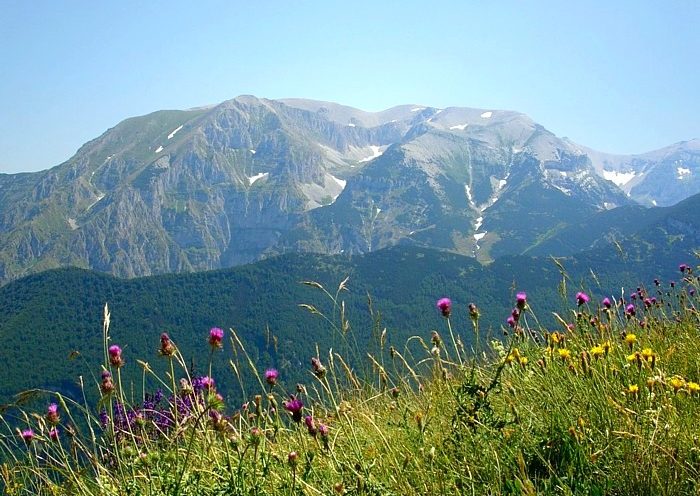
[564, 353]
[510, 321]
[445, 306]
[647, 303]
[683, 267]
[115, 356]
[523, 361]
[632, 390]
[394, 392]
[691, 291]
[216, 336]
[630, 339]
[582, 298]
[647, 354]
[673, 284]
[597, 351]
[52, 416]
[693, 388]
[167, 348]
[473, 312]
[521, 300]
[318, 368]
[107, 385]
[606, 347]
[310, 425]
[292, 458]
[677, 383]
[53, 434]
[27, 435]
[294, 406]
[271, 376]
[630, 310]
[607, 303]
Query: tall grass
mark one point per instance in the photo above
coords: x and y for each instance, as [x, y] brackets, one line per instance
[607, 403]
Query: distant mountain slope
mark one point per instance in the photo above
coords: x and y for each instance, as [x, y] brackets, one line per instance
[657, 231]
[179, 191]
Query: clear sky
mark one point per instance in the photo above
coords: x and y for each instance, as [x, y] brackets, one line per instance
[618, 76]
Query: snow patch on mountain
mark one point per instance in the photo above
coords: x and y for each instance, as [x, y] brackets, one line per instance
[486, 115]
[170, 136]
[417, 109]
[376, 152]
[261, 175]
[159, 149]
[461, 127]
[683, 172]
[619, 178]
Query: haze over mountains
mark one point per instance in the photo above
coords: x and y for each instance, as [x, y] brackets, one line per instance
[249, 178]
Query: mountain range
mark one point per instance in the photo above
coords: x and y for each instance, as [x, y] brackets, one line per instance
[220, 186]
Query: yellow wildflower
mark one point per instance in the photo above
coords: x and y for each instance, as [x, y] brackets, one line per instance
[647, 354]
[630, 339]
[564, 353]
[523, 361]
[597, 351]
[677, 382]
[693, 387]
[633, 390]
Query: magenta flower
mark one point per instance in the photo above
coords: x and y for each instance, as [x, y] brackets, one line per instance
[318, 368]
[27, 435]
[115, 356]
[271, 376]
[52, 414]
[510, 321]
[107, 385]
[582, 298]
[167, 348]
[53, 434]
[310, 425]
[606, 302]
[216, 336]
[521, 300]
[294, 406]
[630, 310]
[445, 306]
[683, 267]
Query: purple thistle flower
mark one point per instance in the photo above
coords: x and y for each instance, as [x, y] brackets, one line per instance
[271, 376]
[115, 356]
[673, 284]
[52, 414]
[630, 310]
[683, 267]
[104, 418]
[310, 425]
[582, 298]
[521, 300]
[647, 303]
[53, 434]
[294, 406]
[323, 430]
[216, 337]
[510, 321]
[318, 368]
[167, 348]
[606, 302]
[107, 385]
[445, 306]
[27, 435]
[691, 291]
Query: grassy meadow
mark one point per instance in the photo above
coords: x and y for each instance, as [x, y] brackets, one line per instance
[607, 402]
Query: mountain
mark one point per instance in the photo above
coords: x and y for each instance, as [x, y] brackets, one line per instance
[659, 178]
[653, 233]
[219, 186]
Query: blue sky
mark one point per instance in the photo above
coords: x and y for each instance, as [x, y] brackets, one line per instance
[617, 76]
